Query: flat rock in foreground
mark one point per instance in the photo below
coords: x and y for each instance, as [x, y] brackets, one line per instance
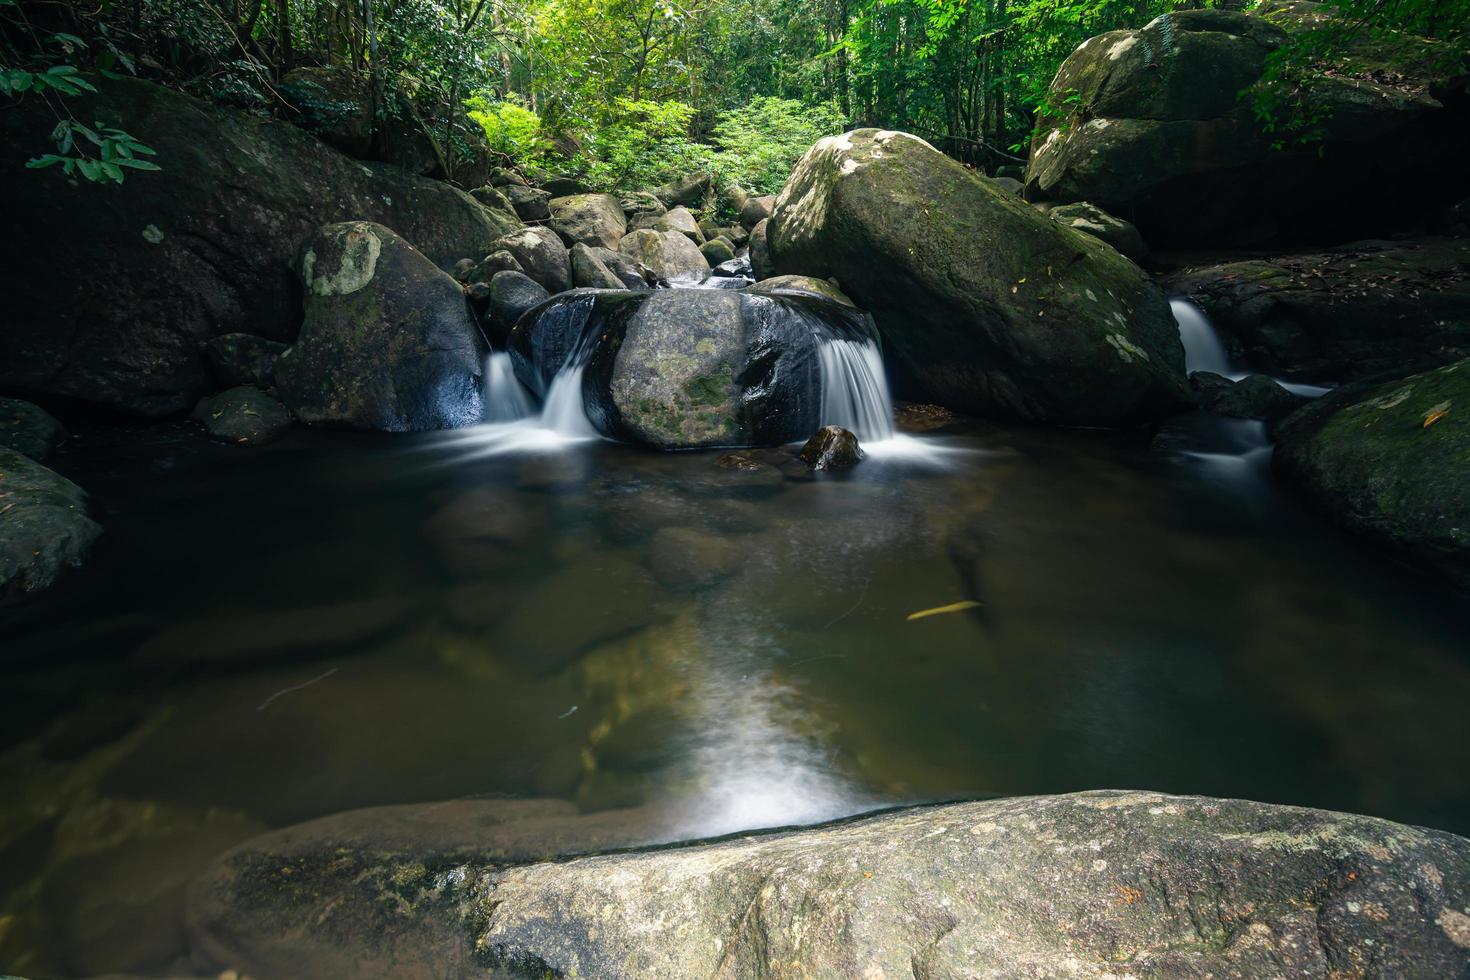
[1101, 884]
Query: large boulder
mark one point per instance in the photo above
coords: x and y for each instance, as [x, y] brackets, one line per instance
[757, 209]
[1157, 126]
[511, 295]
[245, 416]
[44, 527]
[760, 251]
[28, 429]
[541, 255]
[1354, 312]
[984, 304]
[687, 191]
[171, 259]
[589, 219]
[530, 204]
[679, 219]
[388, 341]
[1391, 462]
[334, 102]
[1093, 220]
[666, 254]
[1107, 883]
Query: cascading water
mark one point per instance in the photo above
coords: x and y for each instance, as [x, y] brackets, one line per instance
[855, 389]
[1203, 350]
[506, 399]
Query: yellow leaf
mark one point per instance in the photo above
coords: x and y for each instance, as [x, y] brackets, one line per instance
[1434, 417]
[940, 610]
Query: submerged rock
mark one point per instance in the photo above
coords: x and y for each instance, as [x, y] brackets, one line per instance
[172, 259]
[237, 359]
[1108, 882]
[1391, 462]
[388, 342]
[245, 416]
[1339, 315]
[832, 449]
[589, 219]
[1158, 124]
[984, 305]
[44, 527]
[28, 429]
[686, 558]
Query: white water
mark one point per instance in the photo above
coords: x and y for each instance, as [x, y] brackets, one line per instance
[855, 389]
[1203, 350]
[506, 399]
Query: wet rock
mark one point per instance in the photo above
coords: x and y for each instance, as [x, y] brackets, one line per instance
[28, 429]
[589, 219]
[1390, 462]
[666, 254]
[541, 256]
[685, 558]
[833, 448]
[986, 306]
[44, 528]
[483, 531]
[681, 220]
[1354, 312]
[915, 418]
[717, 251]
[501, 260]
[237, 359]
[388, 341]
[511, 295]
[1093, 220]
[177, 258]
[530, 204]
[687, 191]
[797, 285]
[757, 209]
[601, 268]
[1252, 397]
[244, 416]
[1151, 124]
[932, 892]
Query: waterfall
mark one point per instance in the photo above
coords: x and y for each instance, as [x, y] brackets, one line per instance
[564, 411]
[855, 389]
[506, 399]
[1203, 350]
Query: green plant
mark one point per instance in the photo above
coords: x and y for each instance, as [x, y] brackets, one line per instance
[641, 143]
[511, 130]
[761, 142]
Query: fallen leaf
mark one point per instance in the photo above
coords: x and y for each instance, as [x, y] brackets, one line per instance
[940, 610]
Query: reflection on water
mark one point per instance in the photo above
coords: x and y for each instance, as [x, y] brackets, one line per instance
[342, 621]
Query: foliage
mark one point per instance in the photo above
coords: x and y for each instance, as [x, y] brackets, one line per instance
[642, 143]
[760, 142]
[512, 130]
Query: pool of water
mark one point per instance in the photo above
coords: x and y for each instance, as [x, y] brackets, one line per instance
[340, 621]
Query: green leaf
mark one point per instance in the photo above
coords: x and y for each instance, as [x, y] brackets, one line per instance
[139, 164]
[45, 160]
[91, 169]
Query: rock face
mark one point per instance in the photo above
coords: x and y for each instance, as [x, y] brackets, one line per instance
[589, 219]
[1350, 313]
[703, 367]
[334, 103]
[666, 254]
[1157, 133]
[1391, 462]
[985, 305]
[1108, 883]
[207, 247]
[245, 416]
[28, 429]
[388, 341]
[243, 359]
[45, 527]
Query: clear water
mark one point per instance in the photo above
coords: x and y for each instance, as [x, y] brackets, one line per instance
[340, 621]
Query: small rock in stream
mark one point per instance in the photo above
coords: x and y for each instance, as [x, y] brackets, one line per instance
[833, 448]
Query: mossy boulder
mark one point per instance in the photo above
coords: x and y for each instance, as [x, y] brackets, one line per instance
[717, 252]
[588, 219]
[541, 255]
[985, 305]
[335, 103]
[1392, 462]
[679, 219]
[1351, 313]
[1093, 220]
[28, 429]
[530, 203]
[172, 259]
[388, 341]
[1157, 126]
[244, 416]
[44, 527]
[666, 254]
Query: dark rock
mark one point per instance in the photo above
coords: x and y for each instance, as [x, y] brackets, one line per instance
[500, 260]
[915, 418]
[207, 247]
[511, 295]
[245, 416]
[237, 359]
[1008, 184]
[530, 203]
[681, 220]
[1390, 462]
[463, 270]
[495, 199]
[1092, 220]
[541, 255]
[797, 286]
[1253, 397]
[1153, 127]
[640, 205]
[666, 254]
[686, 558]
[505, 177]
[483, 531]
[545, 338]
[334, 103]
[44, 528]
[589, 271]
[686, 191]
[717, 252]
[1011, 170]
[833, 449]
[985, 306]
[565, 186]
[1350, 313]
[589, 219]
[736, 268]
[756, 210]
[388, 342]
[737, 235]
[478, 293]
[27, 429]
[760, 252]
